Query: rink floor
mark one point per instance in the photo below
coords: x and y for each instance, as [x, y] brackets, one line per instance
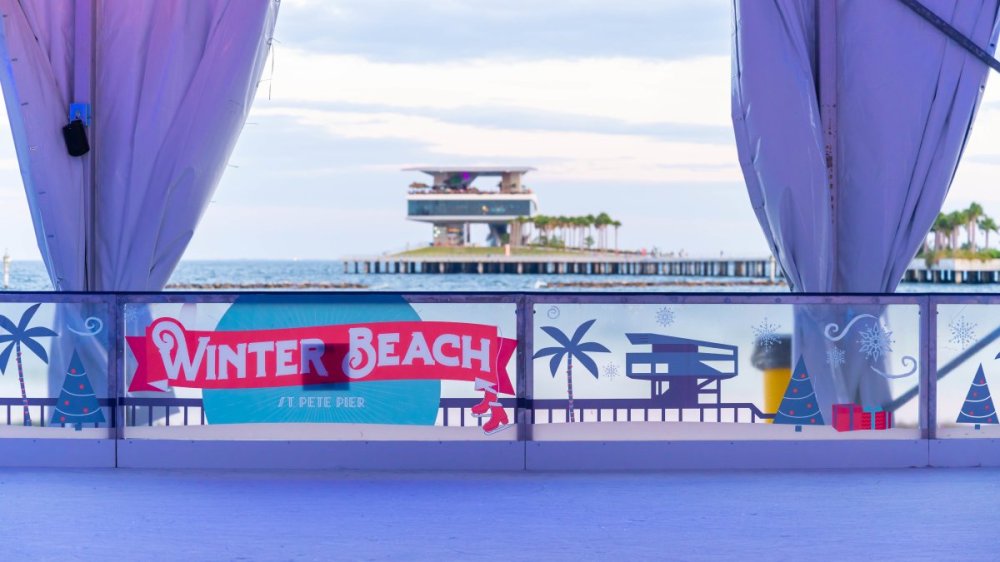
[911, 514]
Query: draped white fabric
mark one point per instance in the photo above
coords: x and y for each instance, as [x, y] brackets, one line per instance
[173, 84]
[906, 97]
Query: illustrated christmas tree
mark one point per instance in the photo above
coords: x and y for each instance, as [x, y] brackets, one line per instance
[799, 406]
[978, 407]
[77, 402]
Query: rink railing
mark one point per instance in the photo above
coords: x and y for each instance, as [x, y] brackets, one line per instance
[117, 311]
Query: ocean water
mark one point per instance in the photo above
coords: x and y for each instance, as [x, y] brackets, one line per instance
[242, 274]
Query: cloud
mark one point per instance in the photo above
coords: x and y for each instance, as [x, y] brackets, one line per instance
[404, 30]
[978, 176]
[582, 156]
[635, 91]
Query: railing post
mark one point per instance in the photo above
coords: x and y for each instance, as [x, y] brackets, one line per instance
[525, 329]
[928, 375]
[116, 372]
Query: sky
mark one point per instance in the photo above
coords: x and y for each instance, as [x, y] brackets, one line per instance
[623, 107]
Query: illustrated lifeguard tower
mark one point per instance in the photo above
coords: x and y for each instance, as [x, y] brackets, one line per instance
[681, 370]
[452, 204]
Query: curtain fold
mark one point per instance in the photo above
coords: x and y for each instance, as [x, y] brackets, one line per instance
[173, 84]
[906, 99]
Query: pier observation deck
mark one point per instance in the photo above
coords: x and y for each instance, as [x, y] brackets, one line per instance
[452, 204]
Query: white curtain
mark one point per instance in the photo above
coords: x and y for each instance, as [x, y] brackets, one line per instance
[173, 81]
[906, 99]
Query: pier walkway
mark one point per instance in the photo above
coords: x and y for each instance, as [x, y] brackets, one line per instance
[582, 264]
[948, 271]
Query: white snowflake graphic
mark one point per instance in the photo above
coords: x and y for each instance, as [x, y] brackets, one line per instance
[962, 333]
[835, 356]
[766, 334]
[610, 371]
[875, 341]
[665, 317]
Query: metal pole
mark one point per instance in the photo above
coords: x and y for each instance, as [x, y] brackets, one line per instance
[826, 22]
[84, 71]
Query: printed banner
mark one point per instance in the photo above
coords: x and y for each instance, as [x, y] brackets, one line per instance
[171, 356]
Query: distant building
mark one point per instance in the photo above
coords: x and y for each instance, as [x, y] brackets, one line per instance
[451, 203]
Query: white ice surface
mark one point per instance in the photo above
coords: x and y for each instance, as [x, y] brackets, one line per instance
[913, 514]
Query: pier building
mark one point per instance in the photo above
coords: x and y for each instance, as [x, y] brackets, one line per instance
[452, 204]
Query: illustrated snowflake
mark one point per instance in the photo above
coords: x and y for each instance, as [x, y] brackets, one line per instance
[835, 356]
[766, 334]
[665, 316]
[610, 371]
[876, 341]
[962, 333]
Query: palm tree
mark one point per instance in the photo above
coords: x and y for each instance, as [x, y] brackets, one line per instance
[955, 221]
[972, 215]
[570, 348]
[581, 230]
[617, 224]
[591, 223]
[938, 229]
[541, 223]
[18, 335]
[603, 220]
[988, 225]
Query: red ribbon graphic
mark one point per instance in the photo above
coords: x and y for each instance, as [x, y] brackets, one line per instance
[169, 355]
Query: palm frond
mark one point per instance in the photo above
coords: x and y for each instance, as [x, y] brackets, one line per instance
[581, 330]
[557, 335]
[26, 317]
[587, 362]
[39, 332]
[548, 351]
[554, 363]
[6, 324]
[5, 357]
[592, 347]
[37, 348]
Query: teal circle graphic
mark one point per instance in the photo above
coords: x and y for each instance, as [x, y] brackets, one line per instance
[376, 402]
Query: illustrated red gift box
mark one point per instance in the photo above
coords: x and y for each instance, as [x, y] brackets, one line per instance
[864, 421]
[846, 416]
[883, 420]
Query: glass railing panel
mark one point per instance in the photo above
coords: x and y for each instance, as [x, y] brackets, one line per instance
[968, 371]
[717, 368]
[55, 379]
[321, 367]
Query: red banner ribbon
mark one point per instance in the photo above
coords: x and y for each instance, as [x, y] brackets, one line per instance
[169, 355]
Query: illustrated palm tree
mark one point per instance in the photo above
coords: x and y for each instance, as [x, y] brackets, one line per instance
[22, 334]
[570, 348]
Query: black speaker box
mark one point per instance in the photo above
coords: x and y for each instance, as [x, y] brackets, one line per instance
[76, 138]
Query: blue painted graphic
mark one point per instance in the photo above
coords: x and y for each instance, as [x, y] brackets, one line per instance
[377, 402]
